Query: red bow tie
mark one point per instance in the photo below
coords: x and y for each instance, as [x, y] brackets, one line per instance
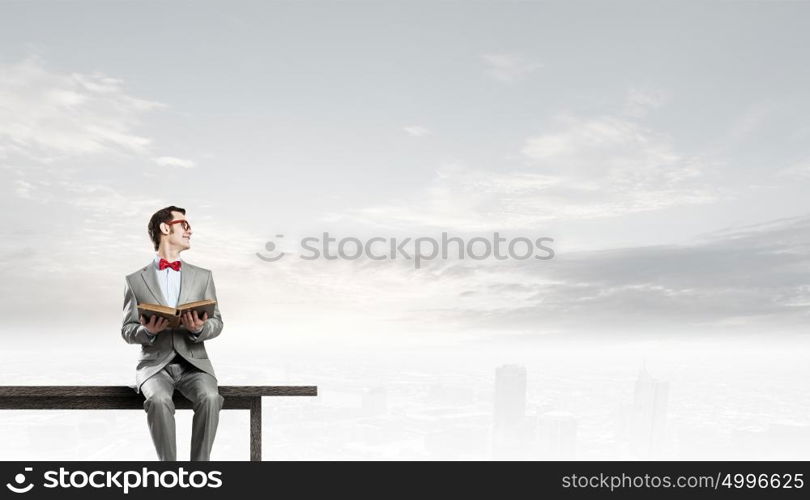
[163, 264]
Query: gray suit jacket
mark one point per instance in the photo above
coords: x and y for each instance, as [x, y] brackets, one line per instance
[142, 287]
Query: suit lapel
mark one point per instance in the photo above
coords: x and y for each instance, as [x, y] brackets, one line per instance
[186, 279]
[150, 278]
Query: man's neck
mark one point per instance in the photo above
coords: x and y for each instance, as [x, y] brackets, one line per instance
[170, 254]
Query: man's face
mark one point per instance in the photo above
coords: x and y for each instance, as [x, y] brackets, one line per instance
[179, 237]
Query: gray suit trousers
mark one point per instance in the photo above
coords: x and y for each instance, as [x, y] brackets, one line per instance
[198, 387]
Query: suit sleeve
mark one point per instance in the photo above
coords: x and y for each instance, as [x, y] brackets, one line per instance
[213, 325]
[132, 330]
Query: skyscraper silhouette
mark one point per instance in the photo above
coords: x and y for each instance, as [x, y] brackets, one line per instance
[511, 431]
[557, 435]
[648, 417]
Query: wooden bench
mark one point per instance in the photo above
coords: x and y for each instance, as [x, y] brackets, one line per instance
[113, 397]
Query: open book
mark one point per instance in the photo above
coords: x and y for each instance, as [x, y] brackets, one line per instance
[173, 314]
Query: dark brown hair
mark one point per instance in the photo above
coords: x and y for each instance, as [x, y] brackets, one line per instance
[161, 216]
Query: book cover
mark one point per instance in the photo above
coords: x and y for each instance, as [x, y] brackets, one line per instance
[173, 314]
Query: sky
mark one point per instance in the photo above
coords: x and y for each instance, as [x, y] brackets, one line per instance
[663, 147]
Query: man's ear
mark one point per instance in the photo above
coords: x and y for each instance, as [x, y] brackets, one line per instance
[164, 228]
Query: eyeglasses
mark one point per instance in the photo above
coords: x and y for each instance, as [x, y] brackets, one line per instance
[186, 225]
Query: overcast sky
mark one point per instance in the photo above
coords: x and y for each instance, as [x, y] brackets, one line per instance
[664, 147]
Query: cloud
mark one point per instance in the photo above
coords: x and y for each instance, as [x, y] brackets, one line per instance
[639, 102]
[799, 170]
[580, 168]
[747, 280]
[615, 159]
[508, 68]
[50, 115]
[62, 137]
[170, 161]
[466, 199]
[99, 198]
[23, 188]
[416, 130]
[61, 128]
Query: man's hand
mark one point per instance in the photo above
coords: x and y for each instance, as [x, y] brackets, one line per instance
[155, 324]
[193, 322]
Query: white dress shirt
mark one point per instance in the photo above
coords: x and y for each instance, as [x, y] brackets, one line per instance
[169, 281]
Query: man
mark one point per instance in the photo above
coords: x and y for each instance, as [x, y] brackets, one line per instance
[173, 358]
